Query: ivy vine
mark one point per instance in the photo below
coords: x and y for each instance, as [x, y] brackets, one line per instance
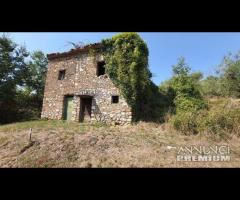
[126, 57]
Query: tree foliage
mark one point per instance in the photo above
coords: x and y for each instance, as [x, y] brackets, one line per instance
[226, 81]
[230, 75]
[12, 69]
[211, 86]
[181, 68]
[184, 88]
[36, 74]
[21, 81]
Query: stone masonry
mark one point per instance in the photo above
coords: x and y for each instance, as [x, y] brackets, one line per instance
[81, 80]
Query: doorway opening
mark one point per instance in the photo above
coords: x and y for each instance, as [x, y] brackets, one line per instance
[85, 108]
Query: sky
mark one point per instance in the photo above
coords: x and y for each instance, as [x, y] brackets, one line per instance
[202, 51]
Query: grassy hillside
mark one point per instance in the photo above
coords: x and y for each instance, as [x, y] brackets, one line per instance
[61, 144]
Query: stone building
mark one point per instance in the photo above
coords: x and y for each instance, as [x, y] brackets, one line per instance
[77, 89]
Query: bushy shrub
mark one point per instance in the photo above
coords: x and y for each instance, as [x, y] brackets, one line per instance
[189, 104]
[185, 122]
[220, 121]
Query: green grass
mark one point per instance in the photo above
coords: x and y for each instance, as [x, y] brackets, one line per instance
[50, 125]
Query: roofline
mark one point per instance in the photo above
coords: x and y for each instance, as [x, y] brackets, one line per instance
[75, 51]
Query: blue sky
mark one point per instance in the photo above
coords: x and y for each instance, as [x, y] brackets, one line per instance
[203, 51]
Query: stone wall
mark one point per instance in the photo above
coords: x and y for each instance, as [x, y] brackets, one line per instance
[81, 80]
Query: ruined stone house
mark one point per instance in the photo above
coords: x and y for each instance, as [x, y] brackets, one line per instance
[77, 89]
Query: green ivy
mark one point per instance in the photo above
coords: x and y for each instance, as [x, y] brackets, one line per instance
[126, 57]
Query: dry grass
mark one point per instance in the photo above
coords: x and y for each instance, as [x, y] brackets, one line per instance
[61, 144]
[224, 102]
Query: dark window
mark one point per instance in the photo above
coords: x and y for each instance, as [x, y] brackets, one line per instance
[100, 68]
[61, 74]
[115, 99]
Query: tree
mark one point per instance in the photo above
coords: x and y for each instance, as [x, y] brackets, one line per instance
[185, 86]
[182, 91]
[211, 86]
[36, 74]
[181, 68]
[21, 81]
[229, 71]
[12, 70]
